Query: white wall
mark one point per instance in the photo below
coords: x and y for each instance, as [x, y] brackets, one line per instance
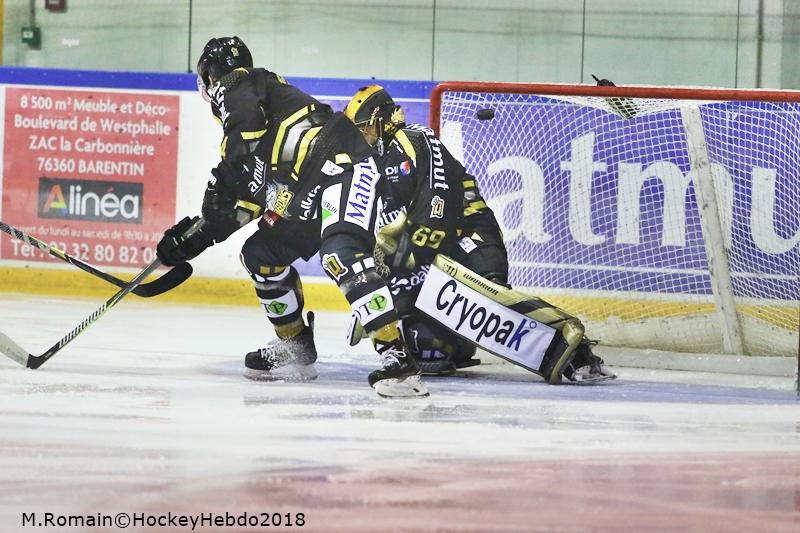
[676, 42]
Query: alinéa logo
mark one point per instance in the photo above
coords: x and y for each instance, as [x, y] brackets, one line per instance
[107, 201]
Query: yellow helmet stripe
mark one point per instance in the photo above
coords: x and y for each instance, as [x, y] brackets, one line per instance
[358, 100]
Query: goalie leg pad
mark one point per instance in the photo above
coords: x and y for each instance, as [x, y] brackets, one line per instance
[481, 248]
[522, 329]
[586, 367]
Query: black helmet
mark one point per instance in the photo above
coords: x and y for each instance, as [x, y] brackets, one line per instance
[372, 105]
[221, 56]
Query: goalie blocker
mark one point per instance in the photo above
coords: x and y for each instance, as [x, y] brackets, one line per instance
[519, 328]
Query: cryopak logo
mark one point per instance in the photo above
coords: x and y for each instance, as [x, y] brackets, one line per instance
[488, 324]
[104, 201]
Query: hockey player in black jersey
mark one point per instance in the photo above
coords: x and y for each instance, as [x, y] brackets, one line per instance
[310, 177]
[441, 210]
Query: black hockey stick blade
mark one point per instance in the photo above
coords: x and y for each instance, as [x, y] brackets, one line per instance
[15, 352]
[167, 281]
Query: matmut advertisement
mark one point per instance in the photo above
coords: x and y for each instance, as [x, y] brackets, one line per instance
[591, 200]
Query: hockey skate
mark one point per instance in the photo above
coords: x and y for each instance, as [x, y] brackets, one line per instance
[586, 367]
[437, 367]
[285, 359]
[399, 375]
[447, 365]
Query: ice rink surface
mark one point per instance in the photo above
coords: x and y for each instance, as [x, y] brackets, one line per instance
[147, 413]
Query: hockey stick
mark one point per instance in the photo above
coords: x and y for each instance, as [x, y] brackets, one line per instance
[13, 350]
[165, 282]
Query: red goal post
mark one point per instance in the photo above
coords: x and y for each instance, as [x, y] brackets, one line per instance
[664, 217]
[637, 91]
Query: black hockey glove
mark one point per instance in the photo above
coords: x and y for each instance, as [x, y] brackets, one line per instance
[403, 256]
[175, 248]
[219, 201]
[417, 245]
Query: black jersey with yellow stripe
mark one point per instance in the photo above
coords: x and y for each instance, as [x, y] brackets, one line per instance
[418, 167]
[291, 133]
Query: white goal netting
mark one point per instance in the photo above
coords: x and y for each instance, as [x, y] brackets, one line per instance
[666, 223]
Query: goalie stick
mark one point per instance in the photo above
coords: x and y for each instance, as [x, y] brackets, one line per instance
[164, 283]
[14, 351]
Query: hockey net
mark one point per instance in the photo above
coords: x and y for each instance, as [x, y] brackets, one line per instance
[664, 218]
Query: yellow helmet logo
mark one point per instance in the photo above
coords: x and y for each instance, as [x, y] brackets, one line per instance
[398, 117]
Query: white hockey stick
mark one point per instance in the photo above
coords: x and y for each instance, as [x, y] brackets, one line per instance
[166, 282]
[14, 351]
